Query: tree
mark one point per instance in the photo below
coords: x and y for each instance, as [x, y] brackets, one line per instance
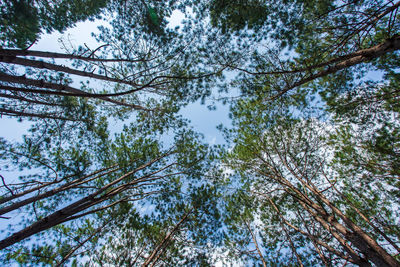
[22, 21]
[301, 178]
[89, 184]
[310, 179]
[301, 190]
[86, 181]
[297, 44]
[137, 66]
[180, 235]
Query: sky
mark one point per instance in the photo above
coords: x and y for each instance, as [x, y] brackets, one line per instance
[203, 120]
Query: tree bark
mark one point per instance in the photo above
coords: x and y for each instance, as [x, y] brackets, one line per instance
[49, 193]
[55, 67]
[152, 259]
[33, 53]
[66, 213]
[60, 89]
[365, 55]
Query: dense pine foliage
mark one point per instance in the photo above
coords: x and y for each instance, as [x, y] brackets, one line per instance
[309, 174]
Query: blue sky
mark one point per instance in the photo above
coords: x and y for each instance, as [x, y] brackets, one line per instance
[203, 120]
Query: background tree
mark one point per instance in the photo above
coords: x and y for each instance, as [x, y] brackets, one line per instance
[299, 179]
[22, 21]
[181, 234]
[89, 183]
[140, 64]
[295, 44]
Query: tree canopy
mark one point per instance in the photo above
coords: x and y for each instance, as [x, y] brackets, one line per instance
[309, 171]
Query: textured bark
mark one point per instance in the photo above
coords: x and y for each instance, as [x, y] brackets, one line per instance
[49, 221]
[363, 241]
[362, 215]
[326, 222]
[367, 245]
[313, 238]
[339, 232]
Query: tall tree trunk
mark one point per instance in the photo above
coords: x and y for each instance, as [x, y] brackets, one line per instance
[152, 259]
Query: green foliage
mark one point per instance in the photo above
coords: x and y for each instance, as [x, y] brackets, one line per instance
[278, 150]
[22, 21]
[313, 144]
[235, 15]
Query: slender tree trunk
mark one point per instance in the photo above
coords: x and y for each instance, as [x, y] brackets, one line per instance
[33, 53]
[152, 259]
[313, 238]
[61, 89]
[55, 67]
[362, 215]
[49, 221]
[67, 213]
[362, 240]
[362, 56]
[11, 112]
[37, 188]
[50, 193]
[256, 244]
[327, 222]
[367, 245]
